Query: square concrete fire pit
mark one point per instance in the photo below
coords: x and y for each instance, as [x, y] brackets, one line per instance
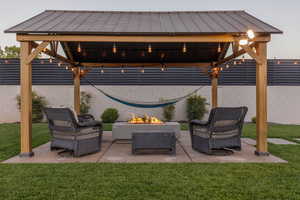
[124, 130]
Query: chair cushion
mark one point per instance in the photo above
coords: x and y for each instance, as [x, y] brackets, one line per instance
[201, 132]
[222, 123]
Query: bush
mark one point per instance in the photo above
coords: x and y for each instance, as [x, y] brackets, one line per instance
[85, 101]
[38, 103]
[253, 120]
[110, 115]
[196, 107]
[168, 112]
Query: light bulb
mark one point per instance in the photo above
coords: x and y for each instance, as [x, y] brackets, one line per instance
[149, 48]
[243, 42]
[227, 66]
[219, 48]
[114, 48]
[50, 60]
[184, 48]
[79, 48]
[250, 34]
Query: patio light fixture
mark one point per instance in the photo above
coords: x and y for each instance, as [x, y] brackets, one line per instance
[79, 48]
[250, 34]
[219, 48]
[114, 49]
[149, 48]
[184, 48]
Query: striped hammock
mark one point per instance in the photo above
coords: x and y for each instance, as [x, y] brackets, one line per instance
[143, 104]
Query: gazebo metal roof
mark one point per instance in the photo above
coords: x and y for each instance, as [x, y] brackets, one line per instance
[142, 23]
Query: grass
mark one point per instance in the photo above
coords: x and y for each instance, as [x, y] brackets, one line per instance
[151, 181]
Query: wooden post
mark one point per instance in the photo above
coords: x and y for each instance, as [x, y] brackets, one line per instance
[26, 100]
[261, 101]
[77, 90]
[214, 90]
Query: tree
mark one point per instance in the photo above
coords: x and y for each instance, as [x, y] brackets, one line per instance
[10, 52]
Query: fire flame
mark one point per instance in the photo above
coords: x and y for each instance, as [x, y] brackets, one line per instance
[144, 120]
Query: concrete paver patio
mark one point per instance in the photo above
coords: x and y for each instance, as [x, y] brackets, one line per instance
[120, 152]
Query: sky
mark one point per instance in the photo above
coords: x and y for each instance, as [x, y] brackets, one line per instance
[284, 15]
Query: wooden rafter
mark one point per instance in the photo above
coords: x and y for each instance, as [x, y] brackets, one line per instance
[234, 55]
[38, 49]
[68, 50]
[224, 51]
[250, 51]
[57, 56]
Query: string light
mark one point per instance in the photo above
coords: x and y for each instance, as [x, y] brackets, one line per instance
[184, 48]
[102, 70]
[149, 48]
[296, 63]
[163, 67]
[142, 70]
[59, 64]
[234, 63]
[50, 60]
[123, 54]
[227, 66]
[254, 49]
[243, 59]
[103, 54]
[68, 68]
[162, 55]
[122, 70]
[79, 48]
[114, 50]
[219, 48]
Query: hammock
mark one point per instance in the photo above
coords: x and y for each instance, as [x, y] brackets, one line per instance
[143, 104]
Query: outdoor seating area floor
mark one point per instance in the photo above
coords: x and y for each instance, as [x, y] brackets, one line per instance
[120, 152]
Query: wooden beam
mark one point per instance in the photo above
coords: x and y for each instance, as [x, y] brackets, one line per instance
[77, 90]
[224, 51]
[235, 47]
[68, 51]
[214, 91]
[26, 100]
[36, 51]
[234, 55]
[51, 53]
[144, 64]
[261, 101]
[135, 38]
[252, 53]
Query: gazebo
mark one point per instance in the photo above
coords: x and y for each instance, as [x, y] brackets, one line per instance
[207, 39]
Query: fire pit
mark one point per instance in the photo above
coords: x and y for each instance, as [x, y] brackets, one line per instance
[124, 130]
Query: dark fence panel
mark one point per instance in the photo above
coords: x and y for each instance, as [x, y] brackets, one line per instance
[280, 72]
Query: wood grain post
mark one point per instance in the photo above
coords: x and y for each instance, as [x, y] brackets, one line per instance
[26, 100]
[77, 90]
[261, 101]
[214, 90]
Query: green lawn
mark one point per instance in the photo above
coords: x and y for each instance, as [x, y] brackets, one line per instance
[150, 181]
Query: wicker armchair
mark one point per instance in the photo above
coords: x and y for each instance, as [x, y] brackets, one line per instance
[222, 131]
[80, 134]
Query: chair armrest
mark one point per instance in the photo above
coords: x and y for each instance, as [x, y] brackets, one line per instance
[199, 122]
[90, 123]
[85, 117]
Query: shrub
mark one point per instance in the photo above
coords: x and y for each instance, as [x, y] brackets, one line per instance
[253, 120]
[110, 115]
[38, 103]
[85, 101]
[168, 112]
[196, 107]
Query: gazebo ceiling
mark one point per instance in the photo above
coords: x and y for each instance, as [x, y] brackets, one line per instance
[139, 52]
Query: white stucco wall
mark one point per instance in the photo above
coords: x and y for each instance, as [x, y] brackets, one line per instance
[283, 101]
